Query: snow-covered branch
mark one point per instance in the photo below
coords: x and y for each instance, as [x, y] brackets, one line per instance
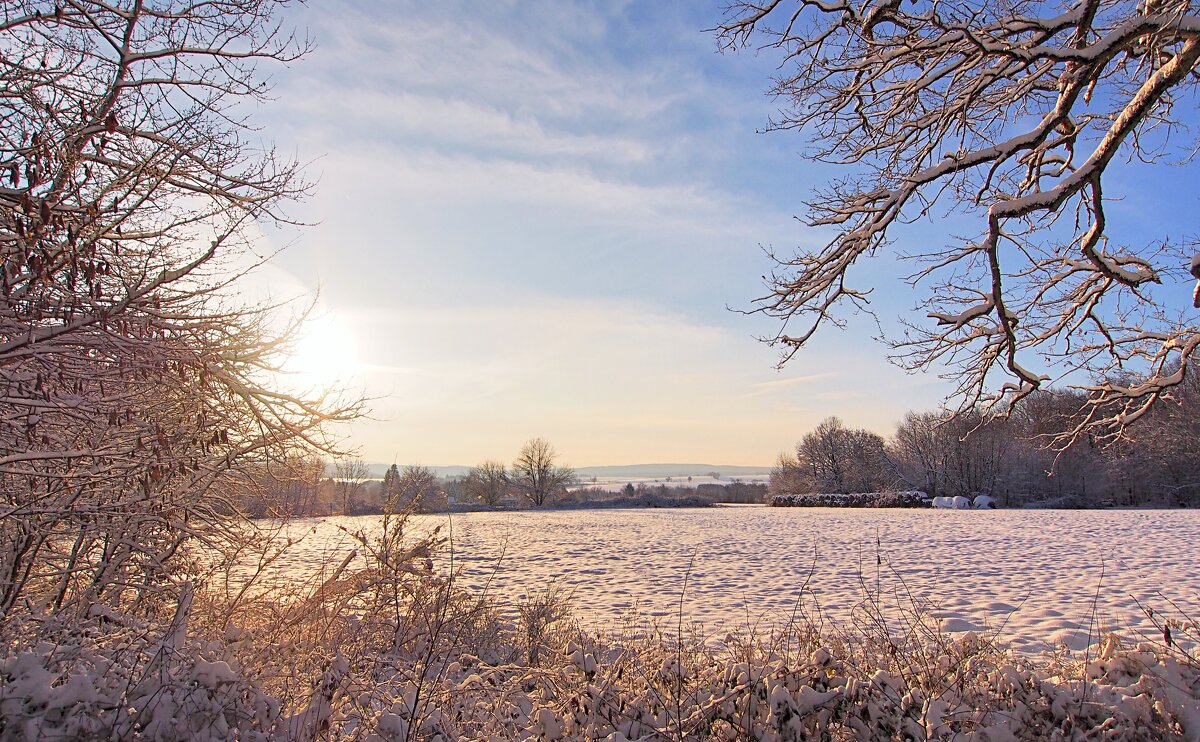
[132, 394]
[1012, 111]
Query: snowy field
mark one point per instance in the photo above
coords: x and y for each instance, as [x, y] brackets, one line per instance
[1030, 578]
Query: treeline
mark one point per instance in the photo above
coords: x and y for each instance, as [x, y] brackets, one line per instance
[304, 486]
[299, 487]
[734, 491]
[1009, 458]
[310, 487]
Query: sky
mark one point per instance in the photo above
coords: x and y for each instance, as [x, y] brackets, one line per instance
[542, 219]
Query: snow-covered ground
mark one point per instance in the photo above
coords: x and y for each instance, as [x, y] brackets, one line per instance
[1031, 578]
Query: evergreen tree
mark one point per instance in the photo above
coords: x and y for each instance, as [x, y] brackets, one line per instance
[391, 484]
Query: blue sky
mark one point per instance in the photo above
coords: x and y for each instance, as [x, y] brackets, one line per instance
[531, 219]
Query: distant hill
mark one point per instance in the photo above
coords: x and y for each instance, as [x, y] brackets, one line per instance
[378, 470]
[670, 470]
[628, 470]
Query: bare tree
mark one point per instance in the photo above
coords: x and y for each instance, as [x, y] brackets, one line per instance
[788, 478]
[1080, 474]
[288, 487]
[1160, 459]
[967, 454]
[418, 489]
[919, 449]
[1012, 112]
[349, 476]
[833, 458]
[134, 396]
[536, 474]
[488, 483]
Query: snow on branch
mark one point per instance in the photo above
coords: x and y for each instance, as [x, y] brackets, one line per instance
[1013, 112]
[132, 394]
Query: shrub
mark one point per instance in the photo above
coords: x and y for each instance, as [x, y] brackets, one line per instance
[383, 647]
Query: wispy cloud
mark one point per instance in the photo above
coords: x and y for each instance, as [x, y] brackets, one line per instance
[471, 119]
[769, 387]
[532, 216]
[578, 371]
[508, 55]
[608, 380]
[458, 123]
[456, 179]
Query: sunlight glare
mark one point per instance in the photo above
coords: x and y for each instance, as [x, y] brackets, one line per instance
[324, 353]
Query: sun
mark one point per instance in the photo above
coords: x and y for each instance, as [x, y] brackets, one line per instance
[324, 353]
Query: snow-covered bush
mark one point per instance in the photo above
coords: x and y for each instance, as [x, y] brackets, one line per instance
[384, 648]
[813, 688]
[116, 676]
[461, 670]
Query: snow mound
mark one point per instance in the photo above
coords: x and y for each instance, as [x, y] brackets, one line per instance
[981, 502]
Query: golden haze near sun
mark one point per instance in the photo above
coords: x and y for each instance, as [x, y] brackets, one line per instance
[323, 354]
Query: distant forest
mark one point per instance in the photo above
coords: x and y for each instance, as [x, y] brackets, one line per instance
[1010, 458]
[302, 488]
